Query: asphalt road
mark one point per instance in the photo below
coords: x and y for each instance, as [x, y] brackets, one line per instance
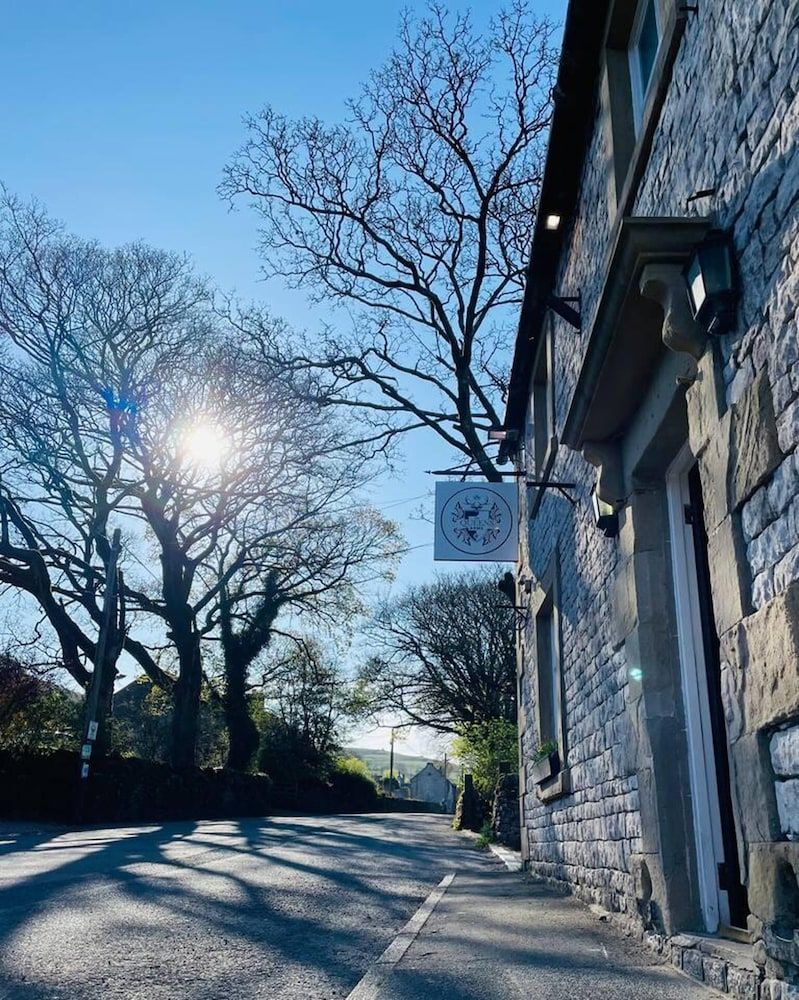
[298, 907]
[281, 907]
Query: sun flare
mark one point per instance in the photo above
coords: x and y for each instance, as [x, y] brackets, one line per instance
[205, 446]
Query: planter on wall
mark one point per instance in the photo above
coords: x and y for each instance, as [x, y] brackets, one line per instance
[546, 768]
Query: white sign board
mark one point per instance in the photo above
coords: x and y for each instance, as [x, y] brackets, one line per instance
[477, 522]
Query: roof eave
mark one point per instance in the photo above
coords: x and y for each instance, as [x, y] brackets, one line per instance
[572, 118]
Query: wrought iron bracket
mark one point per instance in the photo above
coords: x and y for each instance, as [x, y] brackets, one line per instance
[553, 484]
[561, 305]
[520, 613]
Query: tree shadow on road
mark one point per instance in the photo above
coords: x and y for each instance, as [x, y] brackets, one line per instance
[332, 892]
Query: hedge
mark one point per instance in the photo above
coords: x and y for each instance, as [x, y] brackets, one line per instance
[37, 786]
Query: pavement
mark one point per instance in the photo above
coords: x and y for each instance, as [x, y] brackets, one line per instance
[297, 907]
[496, 936]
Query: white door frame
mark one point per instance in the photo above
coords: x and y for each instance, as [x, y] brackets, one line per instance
[701, 754]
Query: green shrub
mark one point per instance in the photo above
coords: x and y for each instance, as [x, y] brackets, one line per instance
[485, 836]
[487, 750]
[286, 755]
[353, 765]
[543, 750]
[48, 718]
[352, 783]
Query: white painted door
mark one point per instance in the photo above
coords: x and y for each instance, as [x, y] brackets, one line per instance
[702, 764]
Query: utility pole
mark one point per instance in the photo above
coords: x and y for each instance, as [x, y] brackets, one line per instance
[445, 766]
[391, 767]
[112, 624]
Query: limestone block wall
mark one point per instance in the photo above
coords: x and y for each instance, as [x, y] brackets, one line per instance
[587, 836]
[784, 746]
[729, 123]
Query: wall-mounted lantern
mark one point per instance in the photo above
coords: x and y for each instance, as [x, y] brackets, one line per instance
[605, 516]
[711, 280]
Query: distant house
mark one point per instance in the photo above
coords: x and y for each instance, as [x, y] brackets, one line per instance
[430, 785]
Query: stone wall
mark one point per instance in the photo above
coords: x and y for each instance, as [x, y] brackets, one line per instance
[729, 123]
[784, 747]
[505, 812]
[588, 836]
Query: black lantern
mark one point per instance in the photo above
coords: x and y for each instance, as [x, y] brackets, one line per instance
[605, 516]
[710, 277]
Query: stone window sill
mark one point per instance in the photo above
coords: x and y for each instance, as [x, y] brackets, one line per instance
[555, 787]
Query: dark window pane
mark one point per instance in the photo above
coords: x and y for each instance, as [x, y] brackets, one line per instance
[647, 45]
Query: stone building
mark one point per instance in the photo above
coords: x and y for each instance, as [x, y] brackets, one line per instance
[659, 655]
[430, 785]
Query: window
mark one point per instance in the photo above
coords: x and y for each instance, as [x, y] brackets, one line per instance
[552, 776]
[642, 43]
[642, 54]
[548, 674]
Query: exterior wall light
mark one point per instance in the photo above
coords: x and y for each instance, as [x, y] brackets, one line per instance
[552, 222]
[605, 516]
[711, 281]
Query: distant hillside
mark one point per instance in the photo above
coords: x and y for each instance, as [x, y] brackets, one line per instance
[377, 761]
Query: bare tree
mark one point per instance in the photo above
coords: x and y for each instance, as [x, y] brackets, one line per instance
[311, 549]
[64, 413]
[310, 695]
[19, 687]
[125, 402]
[446, 656]
[318, 566]
[418, 214]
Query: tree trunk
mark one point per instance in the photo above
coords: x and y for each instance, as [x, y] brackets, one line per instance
[242, 731]
[186, 702]
[240, 650]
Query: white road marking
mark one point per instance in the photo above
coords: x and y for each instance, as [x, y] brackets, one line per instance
[369, 987]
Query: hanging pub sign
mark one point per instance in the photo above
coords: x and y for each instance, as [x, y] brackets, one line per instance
[477, 522]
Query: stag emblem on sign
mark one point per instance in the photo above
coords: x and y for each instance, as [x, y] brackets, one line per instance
[476, 520]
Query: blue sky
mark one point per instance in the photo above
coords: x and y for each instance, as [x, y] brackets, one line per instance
[120, 116]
